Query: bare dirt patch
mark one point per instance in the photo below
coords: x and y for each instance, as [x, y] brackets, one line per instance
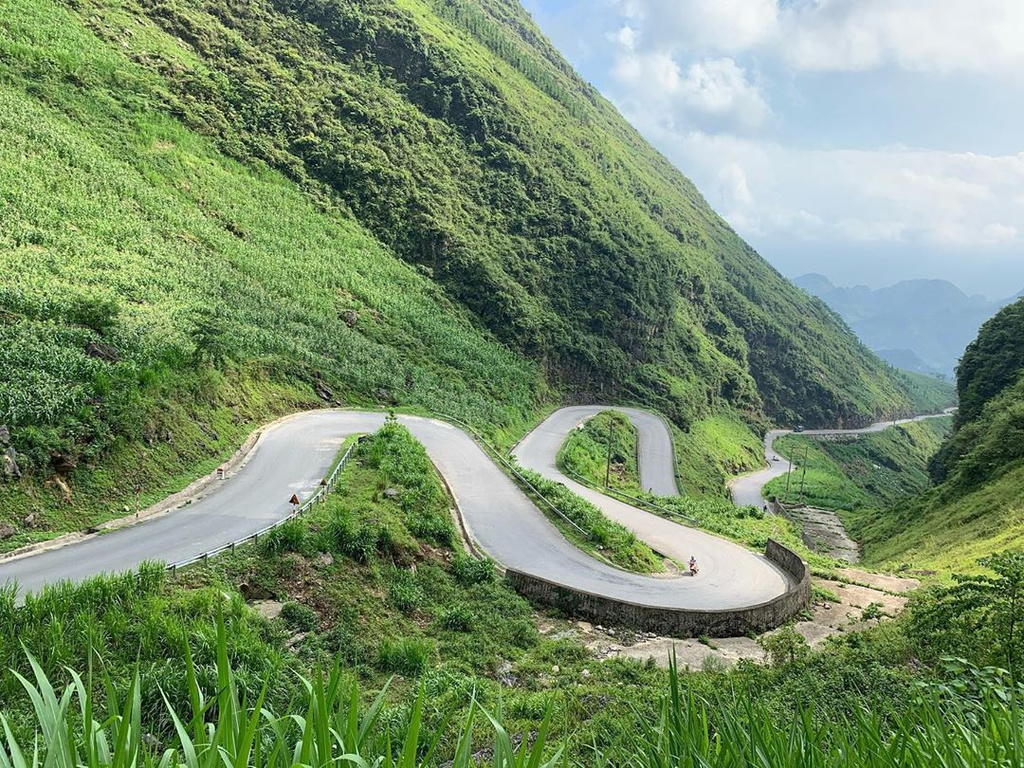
[858, 608]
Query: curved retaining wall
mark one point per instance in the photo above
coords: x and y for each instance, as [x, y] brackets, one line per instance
[678, 622]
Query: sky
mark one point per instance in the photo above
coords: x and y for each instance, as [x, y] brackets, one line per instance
[871, 141]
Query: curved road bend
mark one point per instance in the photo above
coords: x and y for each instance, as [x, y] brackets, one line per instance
[746, 489]
[729, 574]
[292, 456]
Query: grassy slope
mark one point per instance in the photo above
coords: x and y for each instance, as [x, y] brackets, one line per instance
[977, 508]
[937, 532]
[463, 141]
[585, 453]
[863, 472]
[219, 285]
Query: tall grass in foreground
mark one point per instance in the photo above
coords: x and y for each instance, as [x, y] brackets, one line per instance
[228, 730]
[935, 730]
[330, 727]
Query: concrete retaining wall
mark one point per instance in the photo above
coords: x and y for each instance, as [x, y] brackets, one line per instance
[678, 622]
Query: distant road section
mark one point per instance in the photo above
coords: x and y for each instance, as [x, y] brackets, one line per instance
[292, 456]
[746, 489]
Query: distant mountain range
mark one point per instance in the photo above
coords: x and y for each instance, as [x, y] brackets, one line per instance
[916, 325]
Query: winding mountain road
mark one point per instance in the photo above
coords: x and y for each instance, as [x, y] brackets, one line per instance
[293, 455]
[746, 489]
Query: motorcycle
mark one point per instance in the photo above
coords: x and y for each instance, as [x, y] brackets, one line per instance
[693, 568]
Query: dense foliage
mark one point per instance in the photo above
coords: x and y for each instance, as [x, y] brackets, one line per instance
[423, 204]
[976, 507]
[367, 604]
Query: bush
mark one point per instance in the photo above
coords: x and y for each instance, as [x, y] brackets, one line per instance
[405, 593]
[290, 536]
[299, 617]
[469, 570]
[458, 618]
[342, 535]
[406, 656]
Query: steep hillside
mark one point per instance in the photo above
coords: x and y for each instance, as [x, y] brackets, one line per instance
[465, 143]
[978, 507]
[215, 212]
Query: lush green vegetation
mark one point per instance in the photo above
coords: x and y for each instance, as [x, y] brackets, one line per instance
[585, 454]
[976, 508]
[219, 213]
[948, 726]
[390, 644]
[857, 473]
[603, 452]
[157, 299]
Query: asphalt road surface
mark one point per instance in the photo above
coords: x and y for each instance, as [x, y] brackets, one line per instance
[730, 576]
[292, 456]
[746, 489]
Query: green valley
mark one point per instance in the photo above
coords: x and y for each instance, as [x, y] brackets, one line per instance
[217, 216]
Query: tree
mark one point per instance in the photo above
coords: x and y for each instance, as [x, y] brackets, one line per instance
[981, 616]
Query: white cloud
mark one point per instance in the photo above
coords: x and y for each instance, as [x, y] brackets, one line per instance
[720, 25]
[916, 35]
[935, 36]
[714, 94]
[895, 195]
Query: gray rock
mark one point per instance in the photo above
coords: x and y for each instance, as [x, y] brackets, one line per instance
[102, 351]
[6, 531]
[9, 469]
[5, 436]
[323, 391]
[350, 316]
[391, 493]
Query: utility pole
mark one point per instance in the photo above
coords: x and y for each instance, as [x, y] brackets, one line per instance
[789, 474]
[608, 463]
[803, 475]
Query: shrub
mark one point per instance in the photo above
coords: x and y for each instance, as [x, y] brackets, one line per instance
[290, 536]
[299, 617]
[469, 570]
[458, 618]
[405, 656]
[405, 593]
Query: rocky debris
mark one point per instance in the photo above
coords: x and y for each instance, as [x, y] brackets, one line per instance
[63, 462]
[385, 396]
[326, 559]
[323, 391]
[29, 521]
[350, 316]
[294, 640]
[6, 531]
[505, 676]
[65, 490]
[252, 592]
[9, 469]
[102, 351]
[391, 493]
[269, 609]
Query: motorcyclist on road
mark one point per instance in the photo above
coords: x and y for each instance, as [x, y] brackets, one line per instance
[693, 566]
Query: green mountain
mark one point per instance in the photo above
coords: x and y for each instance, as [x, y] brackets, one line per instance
[978, 505]
[217, 212]
[917, 325]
